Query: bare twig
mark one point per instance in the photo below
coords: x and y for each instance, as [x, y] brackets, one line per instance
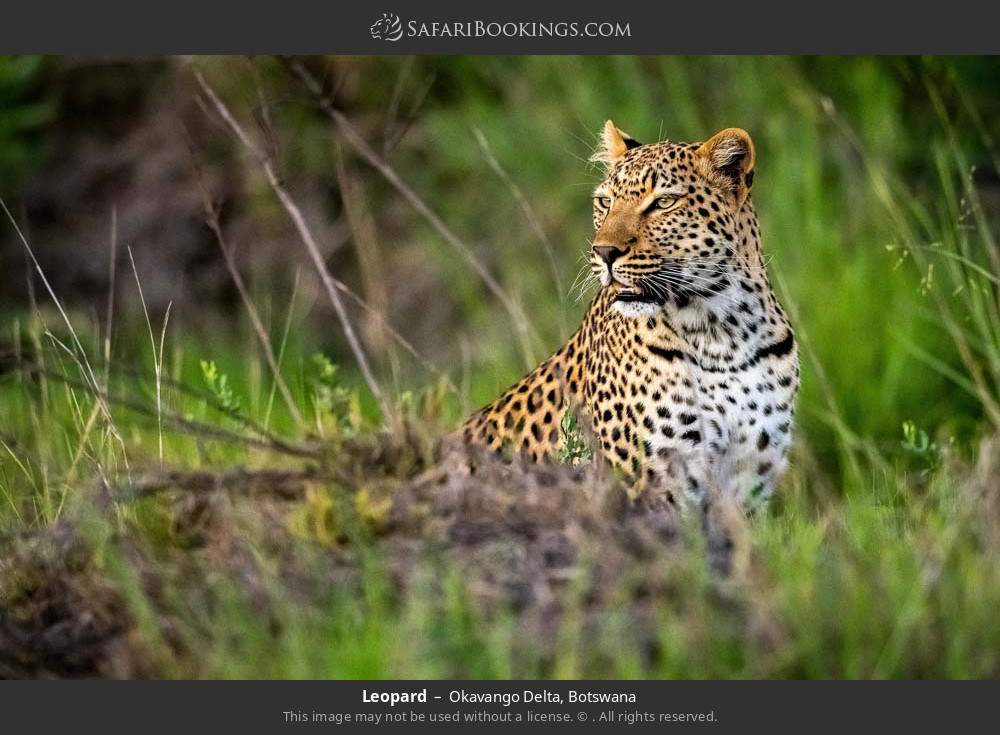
[263, 440]
[286, 329]
[79, 354]
[212, 218]
[214, 224]
[305, 234]
[112, 272]
[95, 412]
[392, 332]
[393, 108]
[529, 214]
[264, 123]
[365, 239]
[283, 483]
[354, 139]
[389, 329]
[393, 139]
[157, 356]
[206, 397]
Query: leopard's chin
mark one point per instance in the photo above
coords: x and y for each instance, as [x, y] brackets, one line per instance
[637, 302]
[636, 309]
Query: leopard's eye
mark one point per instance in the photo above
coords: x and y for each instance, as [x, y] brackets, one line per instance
[603, 202]
[664, 202]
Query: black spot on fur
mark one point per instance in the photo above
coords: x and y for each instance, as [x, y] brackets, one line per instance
[763, 441]
[692, 436]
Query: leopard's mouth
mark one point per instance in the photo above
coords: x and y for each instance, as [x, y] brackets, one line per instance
[637, 294]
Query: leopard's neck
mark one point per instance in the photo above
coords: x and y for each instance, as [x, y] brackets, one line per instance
[723, 329]
[741, 314]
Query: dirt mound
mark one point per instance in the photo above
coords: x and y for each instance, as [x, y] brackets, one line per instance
[524, 539]
[59, 617]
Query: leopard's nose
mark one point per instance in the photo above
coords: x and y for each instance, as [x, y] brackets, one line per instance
[608, 253]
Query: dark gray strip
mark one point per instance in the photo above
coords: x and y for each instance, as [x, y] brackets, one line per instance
[125, 27]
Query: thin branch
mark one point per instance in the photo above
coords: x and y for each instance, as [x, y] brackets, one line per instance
[369, 257]
[393, 108]
[214, 224]
[289, 315]
[529, 214]
[305, 234]
[354, 139]
[205, 396]
[157, 357]
[212, 218]
[112, 272]
[403, 127]
[283, 483]
[264, 440]
[80, 355]
[392, 332]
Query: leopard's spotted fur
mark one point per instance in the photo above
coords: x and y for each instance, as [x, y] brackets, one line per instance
[685, 362]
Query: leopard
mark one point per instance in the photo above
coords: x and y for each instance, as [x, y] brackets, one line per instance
[684, 369]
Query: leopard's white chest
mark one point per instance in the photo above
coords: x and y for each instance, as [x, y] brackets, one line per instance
[745, 392]
[746, 420]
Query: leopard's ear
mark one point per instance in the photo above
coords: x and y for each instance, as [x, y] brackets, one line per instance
[730, 158]
[614, 145]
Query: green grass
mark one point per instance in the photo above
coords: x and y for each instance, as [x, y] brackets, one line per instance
[879, 558]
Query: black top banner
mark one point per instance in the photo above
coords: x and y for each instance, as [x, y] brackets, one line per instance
[122, 27]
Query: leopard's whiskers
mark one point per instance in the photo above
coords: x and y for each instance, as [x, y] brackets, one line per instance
[673, 282]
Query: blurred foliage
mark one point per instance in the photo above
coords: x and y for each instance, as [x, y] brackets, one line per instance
[25, 112]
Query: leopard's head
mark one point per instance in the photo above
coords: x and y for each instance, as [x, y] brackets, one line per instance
[667, 216]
